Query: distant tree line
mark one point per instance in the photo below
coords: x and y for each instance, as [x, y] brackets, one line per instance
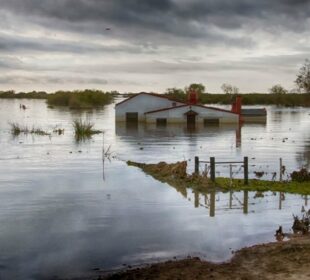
[87, 98]
[278, 95]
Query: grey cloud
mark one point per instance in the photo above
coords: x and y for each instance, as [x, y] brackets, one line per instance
[263, 64]
[179, 18]
[25, 44]
[19, 79]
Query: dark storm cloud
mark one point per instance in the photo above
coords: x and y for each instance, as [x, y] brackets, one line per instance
[152, 37]
[179, 18]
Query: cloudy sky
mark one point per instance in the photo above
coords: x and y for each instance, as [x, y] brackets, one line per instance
[151, 45]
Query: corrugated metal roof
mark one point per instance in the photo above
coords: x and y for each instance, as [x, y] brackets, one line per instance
[254, 112]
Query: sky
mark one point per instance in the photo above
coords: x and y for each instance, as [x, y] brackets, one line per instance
[152, 45]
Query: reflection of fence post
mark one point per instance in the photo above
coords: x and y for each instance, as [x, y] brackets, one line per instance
[246, 170]
[245, 202]
[197, 165]
[230, 199]
[196, 194]
[230, 174]
[281, 169]
[212, 204]
[212, 170]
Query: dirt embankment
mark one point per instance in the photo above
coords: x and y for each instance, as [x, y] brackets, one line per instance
[282, 260]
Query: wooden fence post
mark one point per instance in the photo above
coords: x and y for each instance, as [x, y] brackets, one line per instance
[246, 170]
[212, 169]
[197, 165]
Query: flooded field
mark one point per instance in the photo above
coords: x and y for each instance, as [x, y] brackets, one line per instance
[65, 212]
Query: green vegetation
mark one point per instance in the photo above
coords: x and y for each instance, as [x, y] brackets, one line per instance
[288, 100]
[21, 95]
[278, 89]
[229, 89]
[175, 175]
[17, 129]
[84, 129]
[80, 99]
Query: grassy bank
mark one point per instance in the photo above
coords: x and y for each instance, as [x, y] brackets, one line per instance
[176, 176]
[288, 100]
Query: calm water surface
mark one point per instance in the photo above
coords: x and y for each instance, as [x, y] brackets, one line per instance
[65, 212]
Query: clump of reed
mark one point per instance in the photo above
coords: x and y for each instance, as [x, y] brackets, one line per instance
[80, 99]
[84, 129]
[17, 129]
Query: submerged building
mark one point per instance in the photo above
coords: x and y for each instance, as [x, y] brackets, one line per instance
[156, 108]
[161, 110]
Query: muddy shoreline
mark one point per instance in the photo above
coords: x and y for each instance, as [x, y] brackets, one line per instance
[276, 260]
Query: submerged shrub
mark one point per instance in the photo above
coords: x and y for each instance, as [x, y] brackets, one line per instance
[80, 99]
[301, 176]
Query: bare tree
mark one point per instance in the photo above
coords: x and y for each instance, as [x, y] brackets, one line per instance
[278, 89]
[229, 89]
[303, 78]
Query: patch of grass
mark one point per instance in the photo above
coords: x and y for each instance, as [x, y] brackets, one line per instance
[80, 99]
[84, 129]
[262, 185]
[174, 175]
[17, 129]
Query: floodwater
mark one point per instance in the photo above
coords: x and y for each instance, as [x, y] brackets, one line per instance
[64, 212]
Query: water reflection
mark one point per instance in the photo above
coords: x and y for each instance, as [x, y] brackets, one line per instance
[58, 216]
[144, 131]
[218, 201]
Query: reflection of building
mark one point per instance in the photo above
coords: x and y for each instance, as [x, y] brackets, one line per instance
[160, 110]
[200, 131]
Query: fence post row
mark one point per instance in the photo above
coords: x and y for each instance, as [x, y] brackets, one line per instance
[212, 169]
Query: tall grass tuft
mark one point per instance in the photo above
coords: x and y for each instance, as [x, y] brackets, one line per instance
[17, 129]
[84, 129]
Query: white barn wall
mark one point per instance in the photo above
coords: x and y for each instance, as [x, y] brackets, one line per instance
[176, 115]
[140, 104]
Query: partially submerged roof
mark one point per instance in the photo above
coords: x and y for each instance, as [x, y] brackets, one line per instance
[151, 94]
